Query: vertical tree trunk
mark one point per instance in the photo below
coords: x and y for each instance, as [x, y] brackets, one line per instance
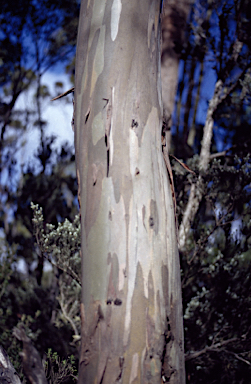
[174, 19]
[132, 328]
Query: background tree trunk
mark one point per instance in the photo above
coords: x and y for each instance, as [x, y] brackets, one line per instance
[132, 328]
[174, 18]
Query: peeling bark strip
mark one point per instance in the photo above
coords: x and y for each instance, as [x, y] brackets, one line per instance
[131, 300]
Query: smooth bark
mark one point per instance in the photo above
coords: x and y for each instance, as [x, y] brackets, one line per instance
[132, 325]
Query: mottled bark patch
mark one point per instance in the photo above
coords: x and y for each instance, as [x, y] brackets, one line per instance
[112, 291]
[95, 174]
[154, 217]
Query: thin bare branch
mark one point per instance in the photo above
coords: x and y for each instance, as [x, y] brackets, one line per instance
[238, 357]
[212, 348]
[71, 90]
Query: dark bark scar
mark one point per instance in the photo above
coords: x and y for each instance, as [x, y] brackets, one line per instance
[108, 122]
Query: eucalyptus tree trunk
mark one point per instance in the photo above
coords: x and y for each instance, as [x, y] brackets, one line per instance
[132, 328]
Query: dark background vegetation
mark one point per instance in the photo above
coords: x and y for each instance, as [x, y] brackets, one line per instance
[35, 37]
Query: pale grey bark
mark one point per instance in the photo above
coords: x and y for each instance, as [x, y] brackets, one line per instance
[8, 373]
[132, 325]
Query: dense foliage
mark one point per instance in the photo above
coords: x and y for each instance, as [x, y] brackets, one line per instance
[36, 36]
[215, 263]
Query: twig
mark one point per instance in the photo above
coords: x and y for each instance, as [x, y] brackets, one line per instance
[238, 357]
[219, 154]
[64, 94]
[183, 165]
[65, 314]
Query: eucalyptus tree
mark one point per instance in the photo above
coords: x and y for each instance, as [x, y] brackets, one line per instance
[132, 329]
